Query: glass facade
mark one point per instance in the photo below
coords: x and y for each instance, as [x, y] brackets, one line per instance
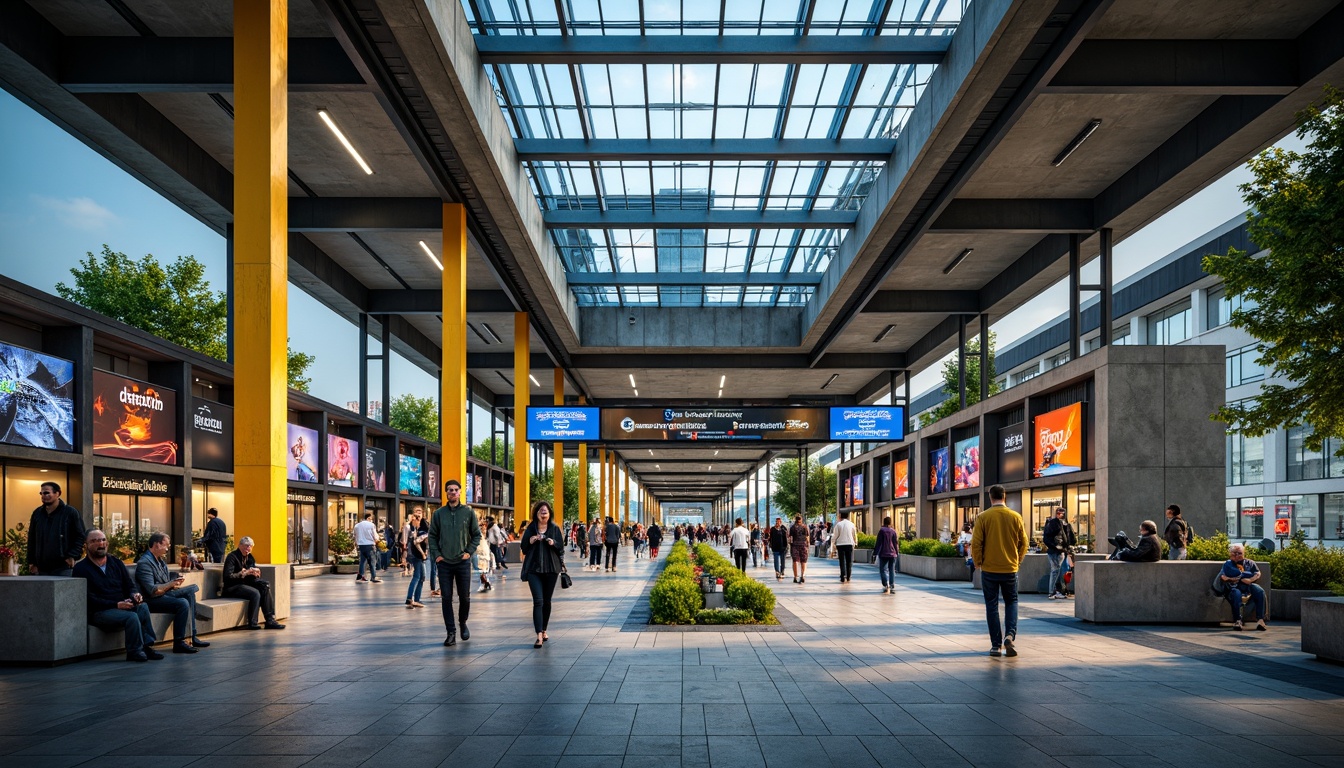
[1332, 516]
[1245, 460]
[1307, 464]
[1170, 325]
[205, 495]
[1242, 367]
[21, 493]
[129, 520]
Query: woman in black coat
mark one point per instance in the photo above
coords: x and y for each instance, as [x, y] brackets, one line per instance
[543, 545]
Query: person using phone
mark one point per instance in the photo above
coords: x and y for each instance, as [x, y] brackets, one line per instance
[168, 593]
[242, 579]
[113, 600]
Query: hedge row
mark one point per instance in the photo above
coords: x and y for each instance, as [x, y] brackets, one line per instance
[928, 548]
[676, 597]
[739, 590]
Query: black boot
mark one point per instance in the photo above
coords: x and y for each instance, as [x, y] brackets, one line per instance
[466, 633]
[197, 642]
[452, 639]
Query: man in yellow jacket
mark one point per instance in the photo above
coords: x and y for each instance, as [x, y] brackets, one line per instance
[998, 544]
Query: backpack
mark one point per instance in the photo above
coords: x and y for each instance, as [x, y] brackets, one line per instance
[1189, 533]
[1219, 588]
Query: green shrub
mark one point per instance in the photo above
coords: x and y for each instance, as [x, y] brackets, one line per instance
[752, 596]
[1212, 548]
[867, 541]
[939, 549]
[674, 600]
[678, 571]
[1298, 566]
[680, 554]
[723, 616]
[1337, 588]
[917, 547]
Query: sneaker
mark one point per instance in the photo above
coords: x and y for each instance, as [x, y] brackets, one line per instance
[1260, 625]
[377, 581]
[995, 651]
[409, 606]
[484, 588]
[435, 593]
[417, 604]
[1057, 596]
[1008, 649]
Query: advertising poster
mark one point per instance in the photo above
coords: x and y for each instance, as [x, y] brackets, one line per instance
[302, 462]
[375, 469]
[432, 484]
[562, 424]
[901, 470]
[479, 497]
[938, 470]
[1059, 441]
[37, 399]
[877, 423]
[858, 489]
[211, 435]
[469, 490]
[342, 461]
[884, 491]
[409, 479]
[133, 419]
[848, 493]
[1013, 453]
[967, 473]
[714, 424]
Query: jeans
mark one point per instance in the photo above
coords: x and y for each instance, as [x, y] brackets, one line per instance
[1176, 553]
[258, 595]
[455, 573]
[385, 558]
[612, 549]
[498, 549]
[182, 603]
[846, 554]
[1234, 594]
[994, 584]
[215, 552]
[417, 580]
[887, 567]
[594, 555]
[755, 554]
[778, 555]
[740, 559]
[139, 630]
[367, 553]
[1056, 572]
[542, 586]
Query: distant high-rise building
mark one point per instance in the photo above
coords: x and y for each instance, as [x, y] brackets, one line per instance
[375, 408]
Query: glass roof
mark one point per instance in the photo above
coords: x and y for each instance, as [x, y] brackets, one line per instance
[694, 104]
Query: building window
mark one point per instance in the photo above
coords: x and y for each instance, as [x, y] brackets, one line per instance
[1302, 511]
[1028, 375]
[1245, 460]
[1252, 518]
[1057, 360]
[1219, 307]
[1231, 507]
[1170, 325]
[1303, 463]
[1333, 516]
[1242, 367]
[1121, 337]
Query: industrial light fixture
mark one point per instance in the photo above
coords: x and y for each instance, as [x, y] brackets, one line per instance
[431, 256]
[891, 327]
[326, 118]
[722, 379]
[533, 379]
[492, 333]
[501, 375]
[720, 393]
[632, 381]
[831, 380]
[954, 263]
[636, 393]
[478, 334]
[1077, 142]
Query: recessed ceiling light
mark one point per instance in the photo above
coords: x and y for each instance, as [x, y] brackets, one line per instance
[431, 256]
[720, 393]
[891, 327]
[1077, 142]
[533, 379]
[831, 380]
[326, 118]
[632, 381]
[636, 393]
[722, 379]
[960, 257]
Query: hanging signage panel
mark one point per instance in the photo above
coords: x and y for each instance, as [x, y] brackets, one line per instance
[211, 435]
[869, 423]
[1059, 441]
[967, 471]
[133, 419]
[560, 424]
[1012, 453]
[714, 424]
[342, 461]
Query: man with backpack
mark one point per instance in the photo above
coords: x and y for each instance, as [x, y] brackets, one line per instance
[1178, 533]
[1058, 538]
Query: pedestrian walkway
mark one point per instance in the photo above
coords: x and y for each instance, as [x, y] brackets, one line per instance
[898, 680]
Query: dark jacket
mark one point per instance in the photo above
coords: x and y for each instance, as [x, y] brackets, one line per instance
[1148, 551]
[106, 588]
[581, 535]
[612, 534]
[453, 532]
[54, 538]
[888, 544]
[799, 535]
[779, 539]
[1177, 533]
[234, 565]
[215, 533]
[543, 557]
[1057, 535]
[655, 535]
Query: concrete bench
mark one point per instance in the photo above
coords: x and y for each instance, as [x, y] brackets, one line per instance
[309, 570]
[105, 641]
[1035, 570]
[1165, 592]
[1323, 627]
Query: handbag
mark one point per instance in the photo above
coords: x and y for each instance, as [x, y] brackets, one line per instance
[565, 581]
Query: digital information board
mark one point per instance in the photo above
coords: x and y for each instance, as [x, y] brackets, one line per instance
[562, 423]
[875, 423]
[714, 424]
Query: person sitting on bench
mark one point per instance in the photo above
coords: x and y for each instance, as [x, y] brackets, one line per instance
[242, 579]
[114, 602]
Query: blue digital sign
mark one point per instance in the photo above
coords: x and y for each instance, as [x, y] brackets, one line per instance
[872, 423]
[562, 423]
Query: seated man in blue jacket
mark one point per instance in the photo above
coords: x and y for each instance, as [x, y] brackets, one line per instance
[114, 601]
[1240, 574]
[167, 593]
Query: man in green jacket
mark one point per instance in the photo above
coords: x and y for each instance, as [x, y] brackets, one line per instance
[998, 544]
[454, 534]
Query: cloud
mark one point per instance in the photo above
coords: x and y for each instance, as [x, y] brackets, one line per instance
[77, 212]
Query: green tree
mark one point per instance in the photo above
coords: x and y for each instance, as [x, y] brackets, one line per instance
[501, 458]
[1293, 296]
[822, 484]
[544, 488]
[417, 415]
[951, 380]
[173, 302]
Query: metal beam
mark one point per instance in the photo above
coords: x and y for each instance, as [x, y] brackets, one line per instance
[430, 302]
[695, 361]
[691, 278]
[712, 49]
[362, 214]
[701, 219]
[1195, 67]
[1026, 216]
[936, 302]
[847, 150]
[193, 65]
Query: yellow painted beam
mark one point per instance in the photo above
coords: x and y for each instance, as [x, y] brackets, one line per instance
[522, 396]
[558, 499]
[627, 494]
[602, 484]
[583, 477]
[453, 379]
[260, 272]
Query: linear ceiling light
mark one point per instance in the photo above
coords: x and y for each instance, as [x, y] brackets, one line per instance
[479, 335]
[533, 379]
[720, 393]
[831, 380]
[632, 381]
[326, 118]
[884, 333]
[722, 379]
[636, 393]
[492, 333]
[431, 256]
[501, 375]
[1077, 142]
[960, 257]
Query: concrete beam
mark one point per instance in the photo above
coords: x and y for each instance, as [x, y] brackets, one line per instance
[848, 150]
[711, 49]
[696, 361]
[698, 219]
[503, 361]
[691, 278]
[363, 214]
[935, 302]
[1195, 67]
[691, 327]
[430, 302]
[1025, 216]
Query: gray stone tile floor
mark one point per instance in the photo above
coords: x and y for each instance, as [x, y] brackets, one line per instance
[882, 680]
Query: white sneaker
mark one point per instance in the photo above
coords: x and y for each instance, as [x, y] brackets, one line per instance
[1057, 596]
[483, 588]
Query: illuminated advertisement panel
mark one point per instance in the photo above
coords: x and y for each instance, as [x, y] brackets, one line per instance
[901, 470]
[409, 478]
[375, 469]
[561, 424]
[876, 423]
[938, 470]
[1058, 441]
[133, 419]
[714, 424]
[342, 461]
[301, 466]
[37, 405]
[967, 471]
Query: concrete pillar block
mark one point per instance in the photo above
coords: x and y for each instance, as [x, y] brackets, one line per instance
[45, 619]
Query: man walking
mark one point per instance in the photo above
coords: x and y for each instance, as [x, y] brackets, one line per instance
[215, 536]
[798, 541]
[998, 545]
[843, 541]
[612, 541]
[366, 539]
[454, 534]
[55, 535]
[1058, 538]
[1177, 534]
[779, 544]
[738, 541]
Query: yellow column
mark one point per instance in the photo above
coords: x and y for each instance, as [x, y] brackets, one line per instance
[627, 494]
[583, 477]
[260, 271]
[522, 396]
[558, 500]
[453, 379]
[602, 484]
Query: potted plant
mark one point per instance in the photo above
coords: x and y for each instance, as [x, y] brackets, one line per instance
[341, 545]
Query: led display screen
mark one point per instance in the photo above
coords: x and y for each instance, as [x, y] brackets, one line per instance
[901, 484]
[375, 468]
[37, 399]
[966, 473]
[211, 435]
[301, 466]
[877, 423]
[562, 424]
[133, 419]
[409, 479]
[1059, 441]
[714, 424]
[939, 474]
[342, 461]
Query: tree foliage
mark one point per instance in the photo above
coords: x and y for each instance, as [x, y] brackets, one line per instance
[417, 415]
[1293, 295]
[495, 446]
[951, 381]
[544, 488]
[821, 489]
[172, 301]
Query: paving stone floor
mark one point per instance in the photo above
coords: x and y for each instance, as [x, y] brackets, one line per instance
[903, 680]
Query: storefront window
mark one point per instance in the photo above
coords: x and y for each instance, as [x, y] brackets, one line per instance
[905, 520]
[21, 493]
[302, 522]
[942, 522]
[205, 495]
[1253, 518]
[1332, 518]
[1043, 503]
[114, 515]
[343, 511]
[1302, 511]
[1081, 513]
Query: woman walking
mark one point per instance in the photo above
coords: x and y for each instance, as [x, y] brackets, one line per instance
[887, 550]
[544, 545]
[595, 545]
[416, 555]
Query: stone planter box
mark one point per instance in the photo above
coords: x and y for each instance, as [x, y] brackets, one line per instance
[309, 570]
[44, 619]
[1323, 627]
[1035, 571]
[1286, 604]
[935, 568]
[864, 555]
[346, 569]
[1165, 592]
